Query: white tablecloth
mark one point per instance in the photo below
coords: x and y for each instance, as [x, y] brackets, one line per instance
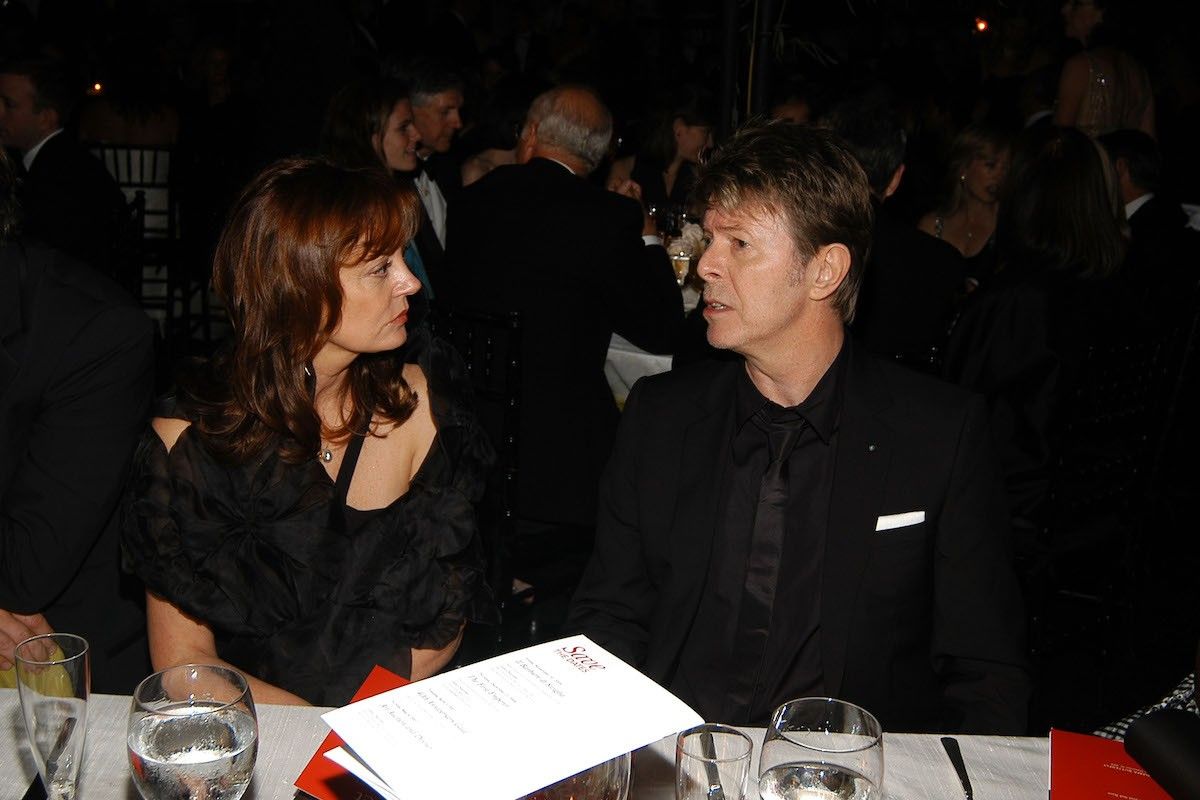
[916, 768]
[626, 363]
[288, 736]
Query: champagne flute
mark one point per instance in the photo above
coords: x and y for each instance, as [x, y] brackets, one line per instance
[193, 734]
[819, 747]
[53, 680]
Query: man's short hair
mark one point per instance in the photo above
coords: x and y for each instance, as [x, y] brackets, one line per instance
[567, 125]
[870, 127]
[807, 177]
[427, 78]
[54, 84]
[1141, 154]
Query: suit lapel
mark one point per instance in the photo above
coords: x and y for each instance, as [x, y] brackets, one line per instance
[864, 452]
[700, 466]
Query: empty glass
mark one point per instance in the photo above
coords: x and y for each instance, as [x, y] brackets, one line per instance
[193, 734]
[819, 747]
[605, 781]
[53, 681]
[712, 762]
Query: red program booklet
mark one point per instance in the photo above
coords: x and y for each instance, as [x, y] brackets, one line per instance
[1084, 767]
[324, 779]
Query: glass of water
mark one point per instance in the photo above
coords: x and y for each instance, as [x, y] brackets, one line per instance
[712, 761]
[819, 747]
[193, 734]
[53, 680]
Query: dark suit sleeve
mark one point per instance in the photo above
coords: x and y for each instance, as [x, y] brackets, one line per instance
[73, 470]
[638, 286]
[616, 598]
[978, 625]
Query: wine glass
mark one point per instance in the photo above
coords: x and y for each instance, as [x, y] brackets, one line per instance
[53, 680]
[819, 747]
[193, 734]
[712, 761]
[608, 780]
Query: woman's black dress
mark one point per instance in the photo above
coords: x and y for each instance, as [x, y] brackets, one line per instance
[299, 591]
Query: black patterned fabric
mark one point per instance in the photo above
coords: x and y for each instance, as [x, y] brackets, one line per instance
[1182, 697]
[260, 553]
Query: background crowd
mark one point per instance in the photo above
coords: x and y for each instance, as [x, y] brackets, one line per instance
[1034, 176]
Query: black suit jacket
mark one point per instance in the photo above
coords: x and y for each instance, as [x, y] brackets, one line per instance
[75, 385]
[569, 256]
[921, 625]
[71, 202]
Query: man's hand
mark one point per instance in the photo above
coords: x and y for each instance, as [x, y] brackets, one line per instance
[16, 628]
[633, 190]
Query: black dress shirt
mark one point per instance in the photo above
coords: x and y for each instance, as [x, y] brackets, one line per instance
[751, 648]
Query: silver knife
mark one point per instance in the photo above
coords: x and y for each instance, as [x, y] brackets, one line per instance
[713, 772]
[952, 750]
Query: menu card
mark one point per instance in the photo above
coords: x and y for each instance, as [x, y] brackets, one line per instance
[1084, 767]
[505, 727]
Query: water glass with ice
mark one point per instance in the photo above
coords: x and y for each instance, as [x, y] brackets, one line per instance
[824, 749]
[193, 734]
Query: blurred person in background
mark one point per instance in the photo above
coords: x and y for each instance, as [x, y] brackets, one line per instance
[76, 359]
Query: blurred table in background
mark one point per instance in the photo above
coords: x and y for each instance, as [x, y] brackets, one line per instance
[626, 363]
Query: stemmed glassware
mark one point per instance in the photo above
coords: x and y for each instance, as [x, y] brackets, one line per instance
[608, 780]
[818, 747]
[53, 681]
[193, 734]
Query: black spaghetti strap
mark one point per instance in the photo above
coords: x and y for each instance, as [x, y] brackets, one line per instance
[346, 471]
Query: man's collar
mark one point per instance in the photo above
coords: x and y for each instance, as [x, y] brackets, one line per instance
[29, 156]
[561, 164]
[820, 408]
[1132, 206]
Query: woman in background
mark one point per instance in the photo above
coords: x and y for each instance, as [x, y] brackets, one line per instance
[369, 125]
[304, 508]
[1020, 341]
[966, 217]
[665, 167]
[1102, 88]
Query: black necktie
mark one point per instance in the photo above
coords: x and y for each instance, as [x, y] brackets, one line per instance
[783, 428]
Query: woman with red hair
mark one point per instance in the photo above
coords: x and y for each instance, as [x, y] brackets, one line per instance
[304, 510]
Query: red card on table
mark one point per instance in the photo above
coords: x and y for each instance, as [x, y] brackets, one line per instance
[1086, 767]
[324, 779]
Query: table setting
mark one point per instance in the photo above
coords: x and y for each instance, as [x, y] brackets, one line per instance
[194, 731]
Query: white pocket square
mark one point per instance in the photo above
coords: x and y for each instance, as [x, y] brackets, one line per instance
[889, 521]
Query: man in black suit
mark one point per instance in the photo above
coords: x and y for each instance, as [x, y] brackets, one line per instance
[75, 383]
[70, 201]
[579, 263]
[912, 281]
[809, 519]
[1162, 256]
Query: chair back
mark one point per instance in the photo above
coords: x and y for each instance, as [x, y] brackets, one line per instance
[148, 170]
[490, 346]
[126, 260]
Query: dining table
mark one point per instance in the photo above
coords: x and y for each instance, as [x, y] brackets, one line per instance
[915, 765]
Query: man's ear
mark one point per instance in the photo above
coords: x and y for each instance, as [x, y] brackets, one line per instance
[894, 183]
[829, 267]
[527, 142]
[48, 120]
